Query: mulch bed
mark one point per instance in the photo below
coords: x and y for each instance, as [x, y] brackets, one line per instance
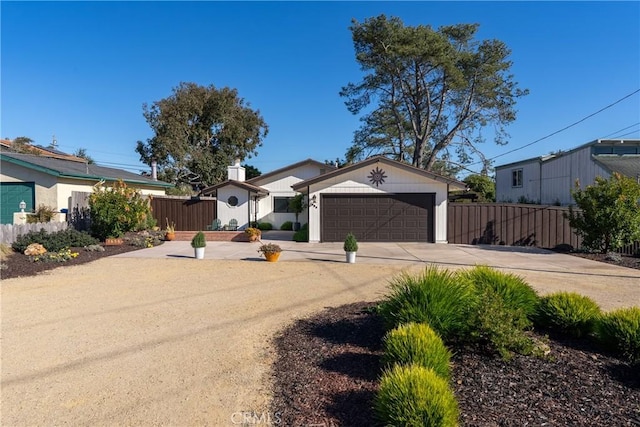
[20, 265]
[628, 261]
[327, 370]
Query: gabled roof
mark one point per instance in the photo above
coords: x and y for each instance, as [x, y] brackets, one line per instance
[241, 184]
[77, 170]
[627, 165]
[376, 160]
[291, 167]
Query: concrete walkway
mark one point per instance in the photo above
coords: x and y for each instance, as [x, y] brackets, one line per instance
[546, 271]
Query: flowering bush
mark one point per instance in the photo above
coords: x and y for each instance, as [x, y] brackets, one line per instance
[252, 231]
[60, 256]
[118, 209]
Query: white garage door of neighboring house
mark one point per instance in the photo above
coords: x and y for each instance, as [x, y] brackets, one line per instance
[406, 217]
[11, 194]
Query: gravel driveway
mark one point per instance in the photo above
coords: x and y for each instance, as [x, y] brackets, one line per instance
[178, 341]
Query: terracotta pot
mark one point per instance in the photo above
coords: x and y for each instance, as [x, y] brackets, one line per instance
[113, 241]
[272, 256]
[170, 236]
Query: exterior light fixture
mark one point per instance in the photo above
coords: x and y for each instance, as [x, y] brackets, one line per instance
[23, 206]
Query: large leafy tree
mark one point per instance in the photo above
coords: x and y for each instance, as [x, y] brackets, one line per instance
[483, 185]
[608, 215]
[199, 131]
[427, 94]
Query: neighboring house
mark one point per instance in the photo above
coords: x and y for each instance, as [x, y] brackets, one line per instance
[550, 179]
[42, 179]
[377, 199]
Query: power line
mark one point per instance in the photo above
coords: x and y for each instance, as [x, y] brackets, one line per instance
[625, 134]
[566, 127]
[619, 130]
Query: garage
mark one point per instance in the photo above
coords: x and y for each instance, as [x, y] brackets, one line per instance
[11, 194]
[404, 217]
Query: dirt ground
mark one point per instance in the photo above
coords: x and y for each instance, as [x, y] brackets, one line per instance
[135, 341]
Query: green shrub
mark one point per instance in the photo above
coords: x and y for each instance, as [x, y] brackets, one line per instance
[43, 214]
[302, 235]
[619, 331]
[517, 295]
[436, 297]
[265, 226]
[118, 209]
[350, 243]
[287, 226]
[414, 396]
[607, 213]
[56, 241]
[501, 326]
[569, 313]
[417, 343]
[199, 240]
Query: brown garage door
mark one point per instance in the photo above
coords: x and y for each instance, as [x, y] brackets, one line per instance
[406, 217]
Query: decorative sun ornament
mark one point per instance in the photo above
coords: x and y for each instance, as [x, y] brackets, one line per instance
[377, 176]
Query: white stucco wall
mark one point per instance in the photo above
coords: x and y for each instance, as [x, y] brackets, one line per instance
[397, 181]
[227, 212]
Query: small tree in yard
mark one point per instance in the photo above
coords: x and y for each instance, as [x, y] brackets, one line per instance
[297, 205]
[609, 215]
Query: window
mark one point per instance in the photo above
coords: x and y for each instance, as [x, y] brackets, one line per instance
[281, 204]
[232, 201]
[516, 178]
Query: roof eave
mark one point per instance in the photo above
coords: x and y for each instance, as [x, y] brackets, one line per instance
[377, 159]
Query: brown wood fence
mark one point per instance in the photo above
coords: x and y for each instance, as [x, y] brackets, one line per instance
[513, 224]
[189, 214]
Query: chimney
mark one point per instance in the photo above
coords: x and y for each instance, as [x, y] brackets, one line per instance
[154, 170]
[236, 172]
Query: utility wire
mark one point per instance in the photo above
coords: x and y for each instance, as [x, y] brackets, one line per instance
[566, 127]
[628, 133]
[619, 130]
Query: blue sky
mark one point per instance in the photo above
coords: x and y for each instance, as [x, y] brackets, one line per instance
[82, 70]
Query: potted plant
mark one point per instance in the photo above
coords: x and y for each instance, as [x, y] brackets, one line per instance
[271, 251]
[253, 233]
[199, 242]
[350, 247]
[297, 205]
[170, 231]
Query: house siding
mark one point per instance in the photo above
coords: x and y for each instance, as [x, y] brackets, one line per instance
[279, 185]
[530, 189]
[397, 181]
[560, 175]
